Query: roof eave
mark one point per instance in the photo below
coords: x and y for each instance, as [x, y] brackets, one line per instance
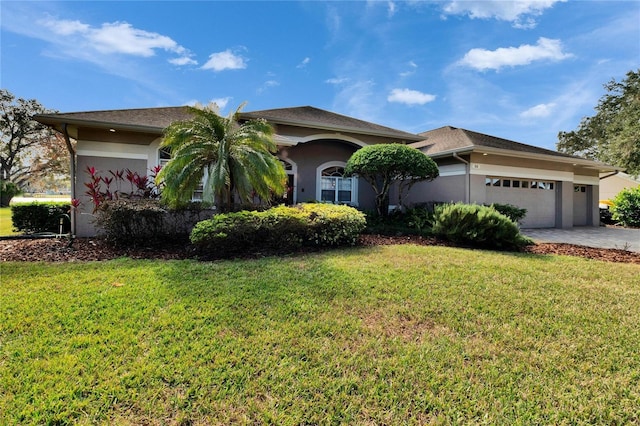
[576, 161]
[51, 120]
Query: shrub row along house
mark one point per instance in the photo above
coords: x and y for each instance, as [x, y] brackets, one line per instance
[558, 190]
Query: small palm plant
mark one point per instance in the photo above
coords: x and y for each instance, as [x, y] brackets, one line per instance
[238, 159]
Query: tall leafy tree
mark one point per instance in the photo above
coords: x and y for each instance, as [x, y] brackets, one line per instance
[29, 150]
[237, 157]
[613, 134]
[383, 165]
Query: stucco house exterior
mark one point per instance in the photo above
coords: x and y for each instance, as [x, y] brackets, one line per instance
[558, 190]
[314, 145]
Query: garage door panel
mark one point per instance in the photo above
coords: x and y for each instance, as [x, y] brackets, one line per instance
[539, 203]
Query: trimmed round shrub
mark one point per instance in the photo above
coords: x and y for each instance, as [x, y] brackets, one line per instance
[626, 207]
[477, 225]
[277, 230]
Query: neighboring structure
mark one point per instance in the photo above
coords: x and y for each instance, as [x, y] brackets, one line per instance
[557, 190]
[612, 184]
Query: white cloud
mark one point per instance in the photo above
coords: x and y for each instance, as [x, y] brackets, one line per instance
[226, 60]
[336, 80]
[410, 97]
[65, 27]
[267, 85]
[520, 13]
[304, 62]
[184, 60]
[412, 71]
[545, 49]
[221, 102]
[391, 9]
[112, 38]
[539, 111]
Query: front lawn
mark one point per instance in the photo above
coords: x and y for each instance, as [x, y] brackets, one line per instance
[384, 335]
[6, 225]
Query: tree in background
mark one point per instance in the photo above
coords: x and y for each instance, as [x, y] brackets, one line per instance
[613, 134]
[383, 164]
[30, 151]
[238, 159]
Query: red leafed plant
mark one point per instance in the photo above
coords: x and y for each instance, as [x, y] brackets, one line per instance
[142, 187]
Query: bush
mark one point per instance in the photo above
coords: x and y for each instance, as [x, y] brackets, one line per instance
[477, 225]
[626, 207]
[279, 229]
[41, 217]
[146, 222]
[415, 220]
[514, 213]
[8, 190]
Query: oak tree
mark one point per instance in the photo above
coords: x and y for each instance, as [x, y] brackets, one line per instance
[613, 134]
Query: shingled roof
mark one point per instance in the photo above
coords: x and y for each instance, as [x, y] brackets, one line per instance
[154, 120]
[308, 116]
[452, 139]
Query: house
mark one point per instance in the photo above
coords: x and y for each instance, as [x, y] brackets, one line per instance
[612, 184]
[314, 145]
[558, 190]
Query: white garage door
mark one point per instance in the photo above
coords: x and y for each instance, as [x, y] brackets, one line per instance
[538, 197]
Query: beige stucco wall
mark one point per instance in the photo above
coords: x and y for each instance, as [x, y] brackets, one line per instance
[611, 186]
[84, 215]
[309, 156]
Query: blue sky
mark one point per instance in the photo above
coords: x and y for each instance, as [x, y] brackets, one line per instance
[520, 70]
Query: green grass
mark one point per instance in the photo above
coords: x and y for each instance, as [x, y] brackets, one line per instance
[386, 335]
[6, 226]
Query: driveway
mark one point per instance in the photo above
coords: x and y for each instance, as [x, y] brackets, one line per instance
[601, 237]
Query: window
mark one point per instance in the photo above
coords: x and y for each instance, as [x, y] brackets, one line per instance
[521, 184]
[579, 188]
[333, 187]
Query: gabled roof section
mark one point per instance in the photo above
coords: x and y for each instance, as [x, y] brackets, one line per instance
[152, 120]
[311, 117]
[450, 138]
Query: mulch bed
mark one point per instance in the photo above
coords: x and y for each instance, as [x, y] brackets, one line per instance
[87, 249]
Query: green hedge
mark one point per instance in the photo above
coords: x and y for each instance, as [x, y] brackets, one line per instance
[145, 222]
[279, 229]
[477, 225]
[39, 217]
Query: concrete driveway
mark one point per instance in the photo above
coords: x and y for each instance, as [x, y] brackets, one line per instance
[601, 237]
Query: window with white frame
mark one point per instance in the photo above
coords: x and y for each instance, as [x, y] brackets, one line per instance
[334, 187]
[518, 183]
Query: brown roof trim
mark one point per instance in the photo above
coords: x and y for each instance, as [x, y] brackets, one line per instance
[447, 140]
[155, 120]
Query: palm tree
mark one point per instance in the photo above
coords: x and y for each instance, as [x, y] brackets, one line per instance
[238, 159]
